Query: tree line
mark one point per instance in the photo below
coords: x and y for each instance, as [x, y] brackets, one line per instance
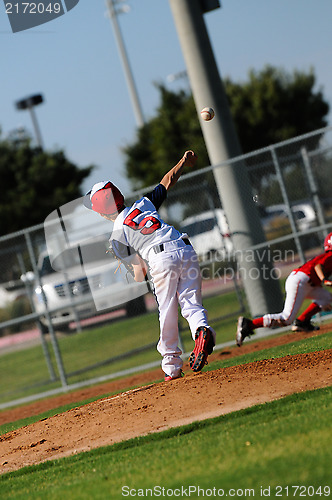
[270, 106]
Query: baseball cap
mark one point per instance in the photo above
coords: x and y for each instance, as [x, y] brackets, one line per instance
[104, 198]
[328, 243]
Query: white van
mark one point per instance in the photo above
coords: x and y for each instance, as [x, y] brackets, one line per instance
[209, 233]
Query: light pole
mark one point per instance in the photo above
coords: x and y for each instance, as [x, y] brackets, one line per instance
[29, 103]
[125, 62]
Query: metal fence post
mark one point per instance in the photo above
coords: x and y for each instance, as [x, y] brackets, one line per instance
[42, 338]
[313, 187]
[287, 203]
[47, 314]
[69, 294]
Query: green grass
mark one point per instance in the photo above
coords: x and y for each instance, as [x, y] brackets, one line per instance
[284, 443]
[25, 372]
[79, 350]
[310, 344]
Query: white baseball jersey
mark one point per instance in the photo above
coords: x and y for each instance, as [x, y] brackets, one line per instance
[173, 266]
[140, 227]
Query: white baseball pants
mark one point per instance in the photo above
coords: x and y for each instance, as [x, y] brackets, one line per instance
[177, 281]
[298, 289]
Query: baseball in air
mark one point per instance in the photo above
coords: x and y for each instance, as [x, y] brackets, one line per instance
[207, 114]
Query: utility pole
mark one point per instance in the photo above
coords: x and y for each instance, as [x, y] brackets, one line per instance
[261, 286]
[125, 63]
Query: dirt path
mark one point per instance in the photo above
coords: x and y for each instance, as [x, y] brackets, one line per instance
[159, 406]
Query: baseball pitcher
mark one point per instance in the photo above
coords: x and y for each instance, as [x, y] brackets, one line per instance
[152, 248]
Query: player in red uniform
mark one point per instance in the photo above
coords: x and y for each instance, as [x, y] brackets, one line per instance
[303, 283]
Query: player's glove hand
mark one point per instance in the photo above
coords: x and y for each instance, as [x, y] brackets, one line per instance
[126, 264]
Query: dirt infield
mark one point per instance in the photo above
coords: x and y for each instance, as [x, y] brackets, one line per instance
[159, 406]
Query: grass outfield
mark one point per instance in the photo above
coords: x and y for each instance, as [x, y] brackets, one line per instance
[281, 448]
[93, 346]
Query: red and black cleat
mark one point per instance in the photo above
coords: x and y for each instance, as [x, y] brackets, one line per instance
[204, 344]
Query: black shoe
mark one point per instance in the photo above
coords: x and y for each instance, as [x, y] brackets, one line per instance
[304, 326]
[244, 329]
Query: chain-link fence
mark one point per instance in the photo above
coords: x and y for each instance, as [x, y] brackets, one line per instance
[60, 329]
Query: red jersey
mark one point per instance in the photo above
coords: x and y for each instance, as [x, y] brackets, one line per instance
[325, 260]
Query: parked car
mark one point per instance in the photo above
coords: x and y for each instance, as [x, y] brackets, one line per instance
[208, 232]
[304, 215]
[85, 277]
[11, 291]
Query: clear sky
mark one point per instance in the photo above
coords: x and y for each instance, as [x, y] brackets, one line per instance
[74, 62]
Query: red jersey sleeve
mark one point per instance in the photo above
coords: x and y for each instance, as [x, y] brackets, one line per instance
[325, 260]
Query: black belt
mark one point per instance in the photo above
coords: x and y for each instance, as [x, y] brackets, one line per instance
[160, 248]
